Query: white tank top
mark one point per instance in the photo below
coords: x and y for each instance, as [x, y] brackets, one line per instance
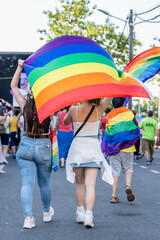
[89, 129]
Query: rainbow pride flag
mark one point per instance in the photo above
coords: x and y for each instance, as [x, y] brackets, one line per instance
[55, 154]
[121, 131]
[144, 66]
[72, 69]
[5, 103]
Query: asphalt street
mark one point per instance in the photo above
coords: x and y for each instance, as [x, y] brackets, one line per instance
[139, 220]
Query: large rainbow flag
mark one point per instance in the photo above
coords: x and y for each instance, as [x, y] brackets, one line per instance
[72, 69]
[145, 65]
[121, 131]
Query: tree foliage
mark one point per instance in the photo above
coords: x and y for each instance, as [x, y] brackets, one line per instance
[72, 18]
[145, 106]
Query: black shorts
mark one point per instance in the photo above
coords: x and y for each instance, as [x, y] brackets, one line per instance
[4, 139]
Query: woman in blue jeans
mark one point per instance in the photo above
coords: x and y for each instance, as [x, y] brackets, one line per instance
[34, 154]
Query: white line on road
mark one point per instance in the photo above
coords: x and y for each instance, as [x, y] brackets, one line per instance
[154, 171]
[143, 166]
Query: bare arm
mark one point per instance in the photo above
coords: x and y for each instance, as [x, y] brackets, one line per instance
[14, 85]
[3, 118]
[68, 117]
[105, 102]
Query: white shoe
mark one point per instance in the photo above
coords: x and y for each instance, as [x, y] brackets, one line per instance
[88, 221]
[47, 216]
[80, 216]
[5, 161]
[29, 222]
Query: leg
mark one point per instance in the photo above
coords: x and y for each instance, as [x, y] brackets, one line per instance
[115, 162]
[128, 170]
[114, 186]
[128, 178]
[145, 149]
[44, 182]
[27, 170]
[62, 162]
[5, 150]
[90, 182]
[151, 150]
[80, 186]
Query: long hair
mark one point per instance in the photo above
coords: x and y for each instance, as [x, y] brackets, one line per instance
[95, 101]
[32, 124]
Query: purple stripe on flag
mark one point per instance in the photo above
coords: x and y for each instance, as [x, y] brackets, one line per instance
[59, 42]
[116, 148]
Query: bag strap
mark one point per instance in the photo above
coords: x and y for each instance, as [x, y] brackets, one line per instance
[85, 120]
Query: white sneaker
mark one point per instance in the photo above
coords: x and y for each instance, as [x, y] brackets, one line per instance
[29, 222]
[88, 221]
[5, 161]
[47, 216]
[80, 217]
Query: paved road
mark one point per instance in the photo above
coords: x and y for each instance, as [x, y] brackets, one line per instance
[123, 221]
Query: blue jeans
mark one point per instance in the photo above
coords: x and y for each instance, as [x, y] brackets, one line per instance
[32, 155]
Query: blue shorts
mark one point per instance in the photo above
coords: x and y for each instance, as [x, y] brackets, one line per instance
[13, 139]
[91, 164]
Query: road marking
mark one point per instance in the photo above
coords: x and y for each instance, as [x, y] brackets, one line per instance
[154, 171]
[135, 163]
[143, 166]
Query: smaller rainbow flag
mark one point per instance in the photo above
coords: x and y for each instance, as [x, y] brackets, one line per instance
[55, 154]
[145, 65]
[24, 84]
[5, 103]
[121, 131]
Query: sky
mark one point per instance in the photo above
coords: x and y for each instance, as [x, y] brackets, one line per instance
[20, 20]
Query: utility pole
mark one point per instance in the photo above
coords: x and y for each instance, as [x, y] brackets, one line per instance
[130, 46]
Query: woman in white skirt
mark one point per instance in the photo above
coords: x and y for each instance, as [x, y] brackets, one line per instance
[85, 157]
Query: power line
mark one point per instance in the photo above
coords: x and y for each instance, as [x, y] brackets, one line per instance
[149, 10]
[121, 35]
[148, 19]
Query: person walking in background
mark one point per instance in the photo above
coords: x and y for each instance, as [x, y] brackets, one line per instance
[5, 136]
[33, 155]
[137, 144]
[2, 130]
[85, 157]
[13, 145]
[118, 143]
[149, 128]
[103, 120]
[158, 136]
[64, 136]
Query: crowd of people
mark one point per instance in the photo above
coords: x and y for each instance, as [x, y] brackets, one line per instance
[78, 133]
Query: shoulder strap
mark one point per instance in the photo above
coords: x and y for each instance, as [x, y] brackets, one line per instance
[85, 120]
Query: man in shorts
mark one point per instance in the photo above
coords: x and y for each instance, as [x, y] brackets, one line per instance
[149, 127]
[122, 160]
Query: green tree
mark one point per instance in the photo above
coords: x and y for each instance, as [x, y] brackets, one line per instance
[73, 19]
[153, 105]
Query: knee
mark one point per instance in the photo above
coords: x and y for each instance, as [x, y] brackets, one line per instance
[90, 183]
[80, 180]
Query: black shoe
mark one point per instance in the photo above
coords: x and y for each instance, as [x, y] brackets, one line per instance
[141, 155]
[151, 160]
